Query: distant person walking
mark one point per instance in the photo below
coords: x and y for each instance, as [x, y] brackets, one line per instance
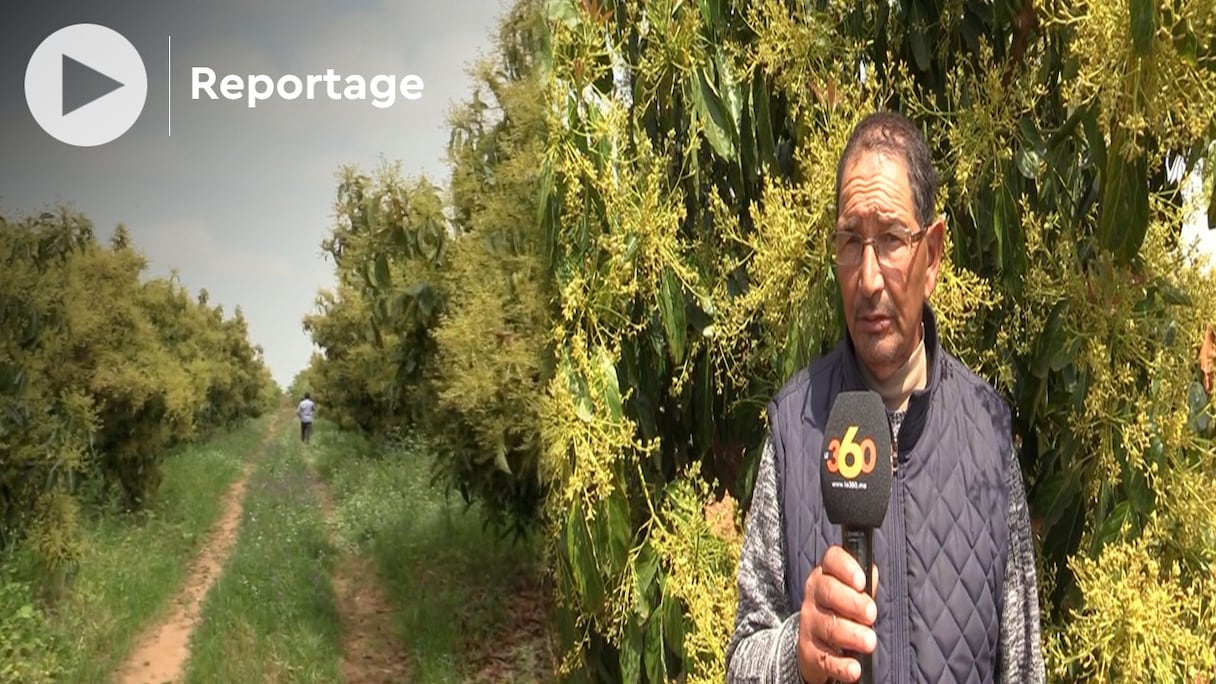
[305, 411]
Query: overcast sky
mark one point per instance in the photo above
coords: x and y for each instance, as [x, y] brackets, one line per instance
[238, 200]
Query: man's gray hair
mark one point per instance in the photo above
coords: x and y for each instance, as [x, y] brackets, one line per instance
[892, 133]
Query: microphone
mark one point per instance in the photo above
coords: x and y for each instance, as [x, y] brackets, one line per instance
[855, 476]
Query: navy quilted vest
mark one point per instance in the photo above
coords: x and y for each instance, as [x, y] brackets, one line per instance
[941, 549]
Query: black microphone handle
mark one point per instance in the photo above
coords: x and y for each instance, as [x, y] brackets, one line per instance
[858, 541]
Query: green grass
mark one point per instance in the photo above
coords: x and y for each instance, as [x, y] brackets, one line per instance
[130, 565]
[451, 582]
[271, 615]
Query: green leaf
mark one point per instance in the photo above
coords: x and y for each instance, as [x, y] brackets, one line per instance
[1135, 485]
[1005, 226]
[1123, 222]
[618, 531]
[747, 144]
[918, 29]
[656, 667]
[1051, 340]
[584, 571]
[1112, 525]
[715, 121]
[383, 279]
[671, 308]
[731, 92]
[1030, 134]
[642, 378]
[711, 15]
[762, 121]
[673, 625]
[578, 390]
[631, 654]
[1094, 138]
[546, 191]
[1212, 205]
[1143, 17]
[612, 389]
[645, 570]
[582, 406]
[1137, 204]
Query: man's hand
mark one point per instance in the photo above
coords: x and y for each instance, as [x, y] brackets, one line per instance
[836, 616]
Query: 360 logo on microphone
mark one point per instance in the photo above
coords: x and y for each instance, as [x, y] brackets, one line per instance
[851, 458]
[855, 470]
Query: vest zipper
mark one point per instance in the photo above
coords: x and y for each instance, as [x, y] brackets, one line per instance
[899, 668]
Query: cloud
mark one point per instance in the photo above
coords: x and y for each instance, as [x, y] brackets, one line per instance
[273, 293]
[236, 200]
[190, 245]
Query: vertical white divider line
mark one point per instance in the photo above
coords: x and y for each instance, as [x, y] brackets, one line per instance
[170, 85]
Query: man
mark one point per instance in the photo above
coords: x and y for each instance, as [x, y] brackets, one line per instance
[956, 598]
[305, 410]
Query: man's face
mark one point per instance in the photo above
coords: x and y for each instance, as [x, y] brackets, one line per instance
[883, 303]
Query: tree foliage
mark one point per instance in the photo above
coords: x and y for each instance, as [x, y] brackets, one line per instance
[101, 372]
[440, 319]
[375, 330]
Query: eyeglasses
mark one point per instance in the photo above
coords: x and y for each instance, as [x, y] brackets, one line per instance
[892, 248]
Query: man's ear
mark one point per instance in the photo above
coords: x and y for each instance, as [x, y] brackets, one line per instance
[935, 241]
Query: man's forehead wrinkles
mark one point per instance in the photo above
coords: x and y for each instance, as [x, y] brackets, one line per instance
[851, 217]
[873, 199]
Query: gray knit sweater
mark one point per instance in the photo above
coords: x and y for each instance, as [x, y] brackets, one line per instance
[762, 648]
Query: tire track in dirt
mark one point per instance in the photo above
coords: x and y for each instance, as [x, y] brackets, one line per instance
[162, 650]
[371, 651]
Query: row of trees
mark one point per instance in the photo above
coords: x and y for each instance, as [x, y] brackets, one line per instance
[440, 318]
[101, 372]
[632, 257]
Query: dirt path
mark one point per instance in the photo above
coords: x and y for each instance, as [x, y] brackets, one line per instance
[162, 649]
[371, 651]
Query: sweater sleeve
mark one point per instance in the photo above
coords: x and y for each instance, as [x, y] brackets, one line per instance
[1021, 639]
[763, 645]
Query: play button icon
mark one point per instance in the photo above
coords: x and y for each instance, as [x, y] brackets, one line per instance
[92, 85]
[86, 85]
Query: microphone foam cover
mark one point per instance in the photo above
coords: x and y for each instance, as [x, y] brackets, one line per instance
[855, 465]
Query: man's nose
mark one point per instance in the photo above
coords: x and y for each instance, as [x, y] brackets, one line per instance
[869, 271]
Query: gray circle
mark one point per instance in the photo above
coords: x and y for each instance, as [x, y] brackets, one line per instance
[114, 69]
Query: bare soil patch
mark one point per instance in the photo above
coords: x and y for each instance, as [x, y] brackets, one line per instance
[163, 649]
[371, 651]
